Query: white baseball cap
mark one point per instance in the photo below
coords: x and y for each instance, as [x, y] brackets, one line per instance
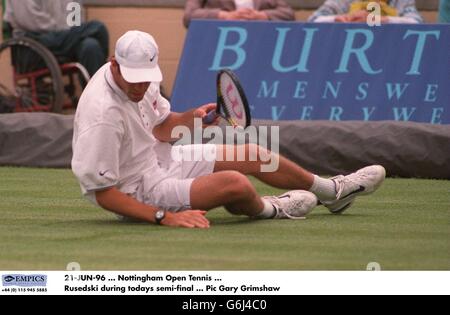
[137, 54]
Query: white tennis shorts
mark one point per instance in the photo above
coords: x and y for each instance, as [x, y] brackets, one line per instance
[173, 193]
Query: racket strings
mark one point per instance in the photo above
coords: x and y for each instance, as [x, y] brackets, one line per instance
[232, 102]
[228, 112]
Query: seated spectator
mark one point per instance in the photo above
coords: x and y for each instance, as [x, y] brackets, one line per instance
[46, 22]
[348, 11]
[240, 10]
[444, 11]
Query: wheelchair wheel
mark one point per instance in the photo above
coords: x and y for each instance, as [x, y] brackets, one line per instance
[33, 76]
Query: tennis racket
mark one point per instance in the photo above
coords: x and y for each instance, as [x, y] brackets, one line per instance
[232, 104]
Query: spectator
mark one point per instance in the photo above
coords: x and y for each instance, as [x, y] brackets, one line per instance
[46, 22]
[347, 11]
[243, 10]
[444, 11]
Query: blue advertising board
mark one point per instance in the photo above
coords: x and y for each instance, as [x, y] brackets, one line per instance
[303, 71]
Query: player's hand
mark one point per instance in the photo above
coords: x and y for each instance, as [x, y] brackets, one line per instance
[187, 219]
[204, 110]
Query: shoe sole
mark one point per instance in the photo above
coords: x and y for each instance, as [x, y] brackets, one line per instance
[342, 210]
[349, 202]
[352, 198]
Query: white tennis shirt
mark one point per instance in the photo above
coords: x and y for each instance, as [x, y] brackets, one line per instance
[113, 144]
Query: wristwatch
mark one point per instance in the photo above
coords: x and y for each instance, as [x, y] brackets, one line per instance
[159, 216]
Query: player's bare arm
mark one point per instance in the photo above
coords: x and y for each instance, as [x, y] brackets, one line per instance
[115, 201]
[163, 132]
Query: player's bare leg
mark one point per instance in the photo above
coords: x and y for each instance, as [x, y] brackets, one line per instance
[337, 193]
[227, 188]
[234, 191]
[288, 175]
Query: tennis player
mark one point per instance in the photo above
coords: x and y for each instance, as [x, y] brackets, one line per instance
[122, 156]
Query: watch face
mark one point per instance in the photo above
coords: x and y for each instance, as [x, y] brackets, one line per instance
[160, 215]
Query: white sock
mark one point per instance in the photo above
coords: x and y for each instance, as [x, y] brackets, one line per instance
[268, 212]
[324, 189]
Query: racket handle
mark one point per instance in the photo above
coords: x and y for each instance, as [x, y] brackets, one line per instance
[210, 118]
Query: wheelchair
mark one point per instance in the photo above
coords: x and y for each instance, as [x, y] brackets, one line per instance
[36, 80]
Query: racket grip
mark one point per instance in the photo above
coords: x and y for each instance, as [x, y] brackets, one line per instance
[210, 118]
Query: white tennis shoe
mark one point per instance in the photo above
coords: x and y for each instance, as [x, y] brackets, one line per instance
[363, 182]
[294, 205]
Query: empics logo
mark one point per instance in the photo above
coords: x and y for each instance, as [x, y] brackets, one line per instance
[8, 279]
[24, 280]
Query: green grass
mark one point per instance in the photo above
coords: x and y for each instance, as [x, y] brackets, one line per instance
[45, 224]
